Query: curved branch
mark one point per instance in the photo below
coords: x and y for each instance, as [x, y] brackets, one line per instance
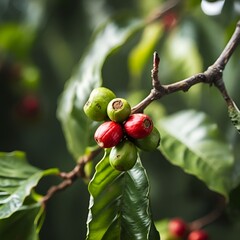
[213, 75]
[72, 176]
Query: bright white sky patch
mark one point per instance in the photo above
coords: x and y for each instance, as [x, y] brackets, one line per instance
[212, 8]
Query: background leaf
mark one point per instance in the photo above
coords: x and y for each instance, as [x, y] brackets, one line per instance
[22, 224]
[234, 115]
[119, 205]
[77, 128]
[17, 179]
[191, 141]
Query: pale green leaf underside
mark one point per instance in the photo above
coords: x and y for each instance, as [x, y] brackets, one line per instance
[119, 204]
[191, 141]
[78, 130]
[17, 179]
[234, 115]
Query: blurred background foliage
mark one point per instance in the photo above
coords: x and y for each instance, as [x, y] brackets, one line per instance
[41, 43]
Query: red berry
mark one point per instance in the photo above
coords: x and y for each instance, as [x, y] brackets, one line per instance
[29, 106]
[108, 134]
[198, 235]
[177, 227]
[138, 125]
[169, 20]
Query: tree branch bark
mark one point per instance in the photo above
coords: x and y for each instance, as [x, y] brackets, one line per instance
[212, 76]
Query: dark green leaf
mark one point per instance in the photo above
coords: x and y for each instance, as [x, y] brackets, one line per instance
[17, 179]
[191, 141]
[23, 224]
[77, 128]
[119, 204]
[234, 115]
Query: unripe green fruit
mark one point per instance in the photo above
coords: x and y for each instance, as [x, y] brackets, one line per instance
[123, 156]
[96, 106]
[118, 110]
[149, 143]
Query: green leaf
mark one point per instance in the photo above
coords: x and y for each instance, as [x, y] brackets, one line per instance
[191, 141]
[162, 227]
[13, 39]
[234, 115]
[144, 50]
[23, 224]
[17, 179]
[119, 204]
[78, 130]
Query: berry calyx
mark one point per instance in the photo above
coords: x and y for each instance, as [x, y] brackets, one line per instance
[138, 125]
[118, 110]
[198, 235]
[108, 134]
[96, 106]
[123, 156]
[149, 143]
[177, 227]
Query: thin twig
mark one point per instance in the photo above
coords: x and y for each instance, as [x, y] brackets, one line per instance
[213, 75]
[71, 176]
[208, 218]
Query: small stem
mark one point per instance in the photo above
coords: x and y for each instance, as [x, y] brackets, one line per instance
[213, 75]
[72, 176]
[154, 73]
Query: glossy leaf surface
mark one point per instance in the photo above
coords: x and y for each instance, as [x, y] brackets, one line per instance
[77, 128]
[191, 141]
[17, 179]
[119, 204]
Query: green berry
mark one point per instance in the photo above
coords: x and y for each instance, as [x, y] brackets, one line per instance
[149, 143]
[118, 110]
[96, 106]
[123, 156]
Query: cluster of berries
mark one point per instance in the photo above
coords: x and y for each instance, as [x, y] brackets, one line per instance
[121, 131]
[179, 229]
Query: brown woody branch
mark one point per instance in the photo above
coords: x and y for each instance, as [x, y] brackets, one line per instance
[212, 76]
[70, 177]
[210, 217]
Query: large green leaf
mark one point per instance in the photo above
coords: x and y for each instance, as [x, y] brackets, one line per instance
[17, 179]
[77, 128]
[119, 204]
[191, 141]
[23, 224]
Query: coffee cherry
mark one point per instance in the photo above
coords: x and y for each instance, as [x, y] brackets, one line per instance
[123, 156]
[149, 143]
[118, 110]
[29, 106]
[96, 106]
[138, 125]
[108, 134]
[198, 235]
[177, 227]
